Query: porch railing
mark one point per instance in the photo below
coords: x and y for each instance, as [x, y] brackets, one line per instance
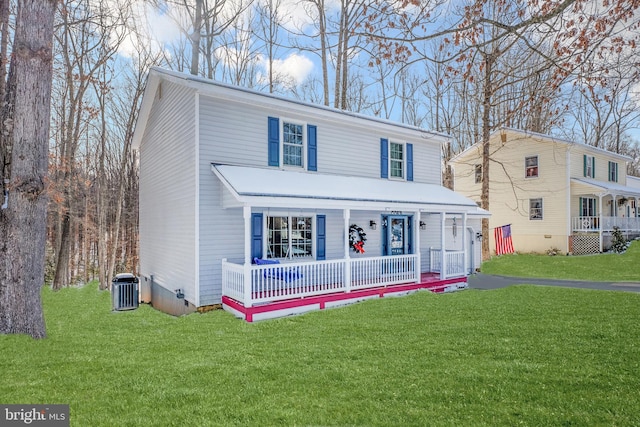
[277, 282]
[593, 223]
[454, 263]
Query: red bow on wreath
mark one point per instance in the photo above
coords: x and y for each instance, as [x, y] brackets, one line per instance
[358, 247]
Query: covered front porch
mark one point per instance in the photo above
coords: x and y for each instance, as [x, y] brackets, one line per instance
[299, 250]
[600, 208]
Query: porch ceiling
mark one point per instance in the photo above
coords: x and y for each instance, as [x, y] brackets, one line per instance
[252, 186]
[600, 188]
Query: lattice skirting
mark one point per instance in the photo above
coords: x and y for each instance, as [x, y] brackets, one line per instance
[586, 243]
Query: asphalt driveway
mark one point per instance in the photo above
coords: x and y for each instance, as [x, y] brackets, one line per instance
[485, 281]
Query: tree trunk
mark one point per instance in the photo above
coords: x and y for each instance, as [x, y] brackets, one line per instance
[486, 132]
[195, 38]
[25, 134]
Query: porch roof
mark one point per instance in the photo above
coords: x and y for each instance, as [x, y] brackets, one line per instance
[606, 188]
[253, 186]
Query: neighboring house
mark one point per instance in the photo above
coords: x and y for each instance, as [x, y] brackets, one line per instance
[553, 192]
[259, 203]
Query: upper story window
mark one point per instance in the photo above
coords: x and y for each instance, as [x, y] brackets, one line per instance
[589, 166]
[613, 172]
[478, 174]
[535, 209]
[396, 160]
[292, 144]
[531, 166]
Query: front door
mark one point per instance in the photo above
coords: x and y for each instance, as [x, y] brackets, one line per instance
[396, 235]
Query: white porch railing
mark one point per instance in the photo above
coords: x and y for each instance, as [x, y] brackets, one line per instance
[593, 223]
[454, 263]
[276, 282]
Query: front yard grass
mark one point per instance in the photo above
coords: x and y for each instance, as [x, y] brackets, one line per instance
[522, 355]
[609, 267]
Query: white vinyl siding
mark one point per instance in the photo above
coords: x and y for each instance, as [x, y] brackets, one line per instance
[167, 192]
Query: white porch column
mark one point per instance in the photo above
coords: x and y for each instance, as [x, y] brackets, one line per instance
[600, 221]
[464, 243]
[443, 247]
[347, 258]
[416, 245]
[246, 212]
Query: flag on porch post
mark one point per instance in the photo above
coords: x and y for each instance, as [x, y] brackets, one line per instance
[504, 244]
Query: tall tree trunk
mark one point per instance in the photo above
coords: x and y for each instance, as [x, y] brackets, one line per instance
[195, 38]
[25, 134]
[486, 132]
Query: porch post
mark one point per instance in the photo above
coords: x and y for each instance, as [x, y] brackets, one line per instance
[246, 211]
[443, 247]
[347, 258]
[416, 227]
[464, 243]
[600, 221]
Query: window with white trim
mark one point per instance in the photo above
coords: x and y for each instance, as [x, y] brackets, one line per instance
[531, 166]
[613, 172]
[535, 209]
[478, 174]
[587, 206]
[589, 166]
[293, 143]
[289, 236]
[396, 160]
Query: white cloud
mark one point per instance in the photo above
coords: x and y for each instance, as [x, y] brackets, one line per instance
[292, 70]
[153, 28]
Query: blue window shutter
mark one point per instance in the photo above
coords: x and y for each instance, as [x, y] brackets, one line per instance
[584, 165]
[593, 167]
[256, 235]
[410, 234]
[312, 148]
[409, 162]
[384, 158]
[610, 172]
[321, 233]
[274, 141]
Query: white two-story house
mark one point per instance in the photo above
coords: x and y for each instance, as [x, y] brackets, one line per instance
[270, 206]
[556, 194]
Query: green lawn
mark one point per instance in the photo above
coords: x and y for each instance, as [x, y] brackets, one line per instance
[523, 355]
[608, 267]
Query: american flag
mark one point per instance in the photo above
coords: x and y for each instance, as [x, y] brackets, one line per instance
[504, 244]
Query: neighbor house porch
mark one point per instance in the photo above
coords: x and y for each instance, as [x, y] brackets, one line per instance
[600, 208]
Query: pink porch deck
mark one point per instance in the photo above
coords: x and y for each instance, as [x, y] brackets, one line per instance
[428, 281]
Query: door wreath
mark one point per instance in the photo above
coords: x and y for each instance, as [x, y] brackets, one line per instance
[357, 237]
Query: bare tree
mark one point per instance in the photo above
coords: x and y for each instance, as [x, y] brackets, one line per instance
[24, 147]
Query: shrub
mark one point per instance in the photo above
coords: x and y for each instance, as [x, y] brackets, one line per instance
[618, 243]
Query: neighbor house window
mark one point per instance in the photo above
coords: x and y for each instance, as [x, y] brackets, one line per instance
[589, 166]
[292, 144]
[289, 236]
[396, 160]
[531, 166]
[478, 174]
[613, 172]
[587, 206]
[535, 209]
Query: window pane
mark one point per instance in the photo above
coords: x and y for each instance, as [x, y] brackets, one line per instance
[292, 142]
[478, 174]
[531, 166]
[301, 237]
[535, 209]
[396, 160]
[278, 235]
